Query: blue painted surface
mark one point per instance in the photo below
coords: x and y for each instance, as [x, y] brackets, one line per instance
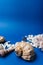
[17, 19]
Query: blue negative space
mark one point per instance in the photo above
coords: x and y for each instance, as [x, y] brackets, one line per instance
[14, 30]
[17, 19]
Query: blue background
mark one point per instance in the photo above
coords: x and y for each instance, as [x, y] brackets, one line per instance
[17, 19]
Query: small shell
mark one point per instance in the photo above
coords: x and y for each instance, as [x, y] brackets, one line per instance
[2, 39]
[1, 46]
[4, 52]
[25, 50]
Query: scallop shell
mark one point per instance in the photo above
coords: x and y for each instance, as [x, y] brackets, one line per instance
[24, 50]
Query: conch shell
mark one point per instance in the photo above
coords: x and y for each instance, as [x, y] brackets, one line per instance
[24, 50]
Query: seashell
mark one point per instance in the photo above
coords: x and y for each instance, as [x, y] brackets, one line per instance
[24, 50]
[36, 41]
[2, 39]
[1, 46]
[3, 50]
[11, 48]
[7, 44]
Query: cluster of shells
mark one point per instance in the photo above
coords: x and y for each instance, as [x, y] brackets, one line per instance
[5, 46]
[22, 49]
[35, 40]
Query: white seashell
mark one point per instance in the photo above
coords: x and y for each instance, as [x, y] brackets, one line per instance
[25, 50]
[41, 44]
[36, 41]
[1, 46]
[7, 44]
[4, 50]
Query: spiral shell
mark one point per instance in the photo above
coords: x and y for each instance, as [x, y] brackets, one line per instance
[24, 50]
